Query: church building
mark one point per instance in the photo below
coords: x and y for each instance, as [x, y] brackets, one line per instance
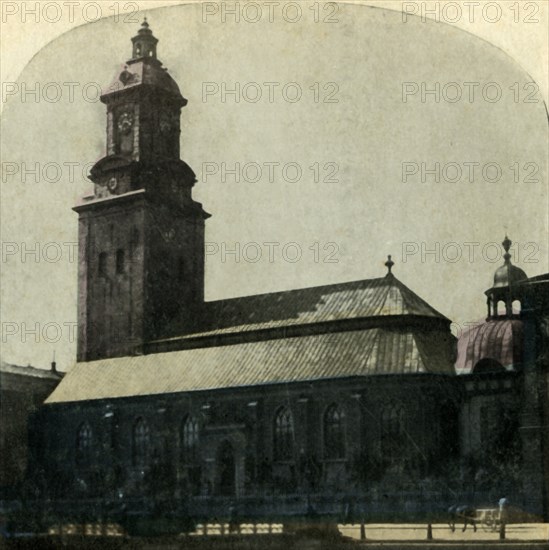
[350, 397]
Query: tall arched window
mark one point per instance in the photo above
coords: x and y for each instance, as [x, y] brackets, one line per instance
[84, 441]
[283, 435]
[102, 264]
[334, 432]
[392, 432]
[189, 438]
[141, 442]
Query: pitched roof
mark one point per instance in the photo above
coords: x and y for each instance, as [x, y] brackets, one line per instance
[7, 368]
[304, 358]
[369, 298]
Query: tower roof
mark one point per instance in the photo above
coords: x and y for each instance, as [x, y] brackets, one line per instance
[508, 274]
[144, 69]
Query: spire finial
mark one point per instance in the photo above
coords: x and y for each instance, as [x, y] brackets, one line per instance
[144, 24]
[389, 265]
[507, 242]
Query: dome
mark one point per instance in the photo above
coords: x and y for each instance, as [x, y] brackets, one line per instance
[508, 274]
[494, 342]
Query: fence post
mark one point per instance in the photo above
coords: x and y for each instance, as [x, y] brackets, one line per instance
[362, 530]
[502, 531]
[429, 532]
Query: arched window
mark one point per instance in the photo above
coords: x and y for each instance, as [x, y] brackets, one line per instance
[120, 262]
[283, 435]
[84, 441]
[392, 432]
[141, 442]
[189, 439]
[516, 307]
[334, 432]
[501, 310]
[102, 264]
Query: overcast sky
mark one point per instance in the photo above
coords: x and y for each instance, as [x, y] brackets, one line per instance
[372, 151]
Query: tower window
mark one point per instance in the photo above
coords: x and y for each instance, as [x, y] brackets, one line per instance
[141, 441]
[134, 242]
[102, 264]
[283, 435]
[334, 432]
[120, 262]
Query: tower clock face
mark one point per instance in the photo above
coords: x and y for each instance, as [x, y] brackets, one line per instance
[125, 122]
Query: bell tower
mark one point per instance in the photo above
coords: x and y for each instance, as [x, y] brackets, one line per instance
[141, 234]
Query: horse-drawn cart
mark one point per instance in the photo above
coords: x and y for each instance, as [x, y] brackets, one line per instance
[488, 518]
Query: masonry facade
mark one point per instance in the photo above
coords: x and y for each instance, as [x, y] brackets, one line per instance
[347, 397]
[22, 391]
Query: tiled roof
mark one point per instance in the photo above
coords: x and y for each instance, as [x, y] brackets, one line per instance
[304, 358]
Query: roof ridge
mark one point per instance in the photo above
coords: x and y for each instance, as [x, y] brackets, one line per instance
[294, 290]
[415, 296]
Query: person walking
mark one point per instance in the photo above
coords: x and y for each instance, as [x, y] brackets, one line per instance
[503, 516]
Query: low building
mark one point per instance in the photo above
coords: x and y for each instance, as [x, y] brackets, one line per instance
[22, 391]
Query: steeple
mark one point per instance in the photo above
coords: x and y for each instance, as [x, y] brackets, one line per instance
[144, 43]
[141, 233]
[143, 126]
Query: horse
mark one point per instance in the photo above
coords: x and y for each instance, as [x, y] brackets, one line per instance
[467, 513]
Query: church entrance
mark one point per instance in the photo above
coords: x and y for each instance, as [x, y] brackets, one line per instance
[226, 469]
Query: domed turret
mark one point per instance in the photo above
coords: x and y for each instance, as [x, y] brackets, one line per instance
[497, 344]
[504, 294]
[144, 43]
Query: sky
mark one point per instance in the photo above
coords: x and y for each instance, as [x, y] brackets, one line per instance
[356, 136]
